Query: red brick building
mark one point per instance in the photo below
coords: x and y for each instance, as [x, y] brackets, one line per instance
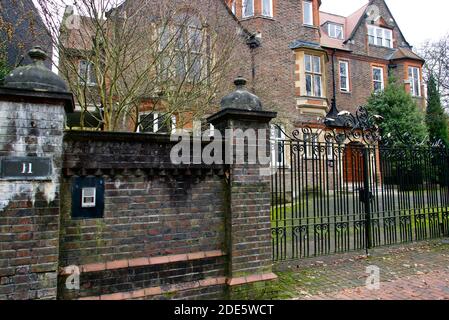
[309, 57]
[299, 59]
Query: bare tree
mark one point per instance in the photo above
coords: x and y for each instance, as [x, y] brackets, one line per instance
[128, 61]
[436, 54]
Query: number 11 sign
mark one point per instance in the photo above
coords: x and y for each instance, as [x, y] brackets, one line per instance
[25, 168]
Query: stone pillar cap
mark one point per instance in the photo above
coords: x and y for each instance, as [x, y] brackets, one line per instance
[35, 76]
[241, 98]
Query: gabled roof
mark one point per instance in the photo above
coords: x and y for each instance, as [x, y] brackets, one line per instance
[304, 44]
[355, 20]
[359, 15]
[28, 30]
[351, 23]
[405, 53]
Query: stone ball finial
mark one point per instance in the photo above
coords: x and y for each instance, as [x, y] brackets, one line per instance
[38, 54]
[241, 98]
[35, 76]
[240, 82]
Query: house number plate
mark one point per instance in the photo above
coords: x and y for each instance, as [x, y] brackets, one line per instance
[27, 168]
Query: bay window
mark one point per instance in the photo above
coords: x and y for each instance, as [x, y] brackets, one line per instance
[313, 75]
[378, 79]
[415, 81]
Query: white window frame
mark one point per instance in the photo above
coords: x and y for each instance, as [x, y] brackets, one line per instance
[244, 7]
[91, 80]
[84, 196]
[380, 36]
[155, 122]
[415, 88]
[315, 72]
[330, 151]
[234, 6]
[173, 124]
[211, 130]
[270, 8]
[332, 30]
[381, 81]
[344, 87]
[309, 144]
[308, 8]
[277, 161]
[156, 116]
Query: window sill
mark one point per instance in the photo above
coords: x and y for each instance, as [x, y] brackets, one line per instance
[377, 46]
[311, 26]
[259, 17]
[90, 85]
[346, 92]
[314, 97]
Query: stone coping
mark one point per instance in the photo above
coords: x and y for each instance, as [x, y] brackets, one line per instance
[142, 262]
[155, 291]
[27, 96]
[241, 114]
[251, 279]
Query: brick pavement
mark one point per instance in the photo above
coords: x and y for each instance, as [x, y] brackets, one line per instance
[418, 271]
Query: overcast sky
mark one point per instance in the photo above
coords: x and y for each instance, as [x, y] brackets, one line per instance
[419, 20]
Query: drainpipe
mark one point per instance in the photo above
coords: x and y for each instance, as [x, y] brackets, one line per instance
[334, 84]
[253, 42]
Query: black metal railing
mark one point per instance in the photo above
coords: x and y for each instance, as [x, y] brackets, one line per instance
[342, 190]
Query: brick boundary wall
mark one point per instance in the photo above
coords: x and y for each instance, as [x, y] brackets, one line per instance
[152, 234]
[156, 231]
[152, 242]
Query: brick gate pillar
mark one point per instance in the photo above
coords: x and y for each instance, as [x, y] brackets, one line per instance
[248, 226]
[32, 120]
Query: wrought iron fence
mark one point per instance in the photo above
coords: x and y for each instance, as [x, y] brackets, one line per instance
[345, 189]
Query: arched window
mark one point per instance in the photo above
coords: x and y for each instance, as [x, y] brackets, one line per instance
[183, 45]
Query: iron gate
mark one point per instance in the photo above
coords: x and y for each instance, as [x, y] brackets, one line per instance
[344, 189]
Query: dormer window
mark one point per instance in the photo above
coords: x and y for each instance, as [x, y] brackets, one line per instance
[380, 36]
[247, 8]
[335, 30]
